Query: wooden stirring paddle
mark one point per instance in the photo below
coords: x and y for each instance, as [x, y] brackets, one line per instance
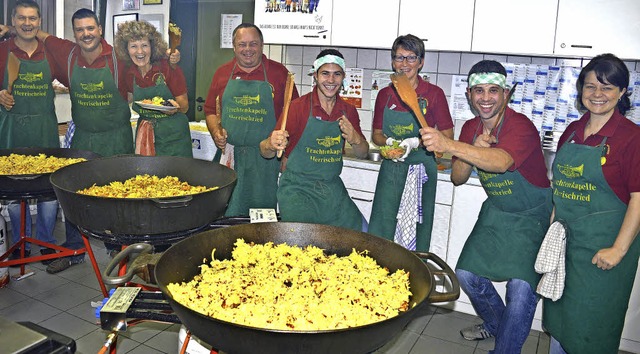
[408, 95]
[288, 92]
[13, 68]
[219, 114]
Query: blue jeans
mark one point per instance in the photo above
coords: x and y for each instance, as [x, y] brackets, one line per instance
[45, 222]
[555, 347]
[510, 324]
[73, 240]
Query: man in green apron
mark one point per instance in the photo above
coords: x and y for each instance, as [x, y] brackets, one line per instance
[504, 243]
[318, 124]
[597, 196]
[250, 89]
[27, 114]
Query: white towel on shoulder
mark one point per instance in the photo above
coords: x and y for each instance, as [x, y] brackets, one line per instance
[551, 262]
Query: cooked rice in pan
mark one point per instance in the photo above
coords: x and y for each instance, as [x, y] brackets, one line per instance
[286, 287]
[18, 164]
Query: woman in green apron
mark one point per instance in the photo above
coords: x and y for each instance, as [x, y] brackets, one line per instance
[394, 122]
[162, 130]
[503, 245]
[597, 195]
[318, 124]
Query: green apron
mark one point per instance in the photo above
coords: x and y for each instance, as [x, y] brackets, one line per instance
[249, 117]
[392, 178]
[311, 189]
[505, 240]
[32, 121]
[171, 133]
[589, 316]
[102, 117]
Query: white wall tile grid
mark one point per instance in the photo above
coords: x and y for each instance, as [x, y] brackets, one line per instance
[546, 92]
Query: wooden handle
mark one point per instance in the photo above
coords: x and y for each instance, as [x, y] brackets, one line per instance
[13, 68]
[219, 114]
[288, 92]
[503, 109]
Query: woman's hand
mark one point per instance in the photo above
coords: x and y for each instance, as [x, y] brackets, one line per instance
[174, 58]
[607, 258]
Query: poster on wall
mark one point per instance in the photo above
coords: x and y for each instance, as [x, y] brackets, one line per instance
[352, 91]
[227, 24]
[294, 21]
[379, 80]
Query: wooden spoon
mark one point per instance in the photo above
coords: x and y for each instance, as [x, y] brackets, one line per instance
[288, 92]
[219, 114]
[408, 95]
[13, 68]
[504, 107]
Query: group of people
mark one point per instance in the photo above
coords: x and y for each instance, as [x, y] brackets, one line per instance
[595, 195]
[598, 200]
[100, 80]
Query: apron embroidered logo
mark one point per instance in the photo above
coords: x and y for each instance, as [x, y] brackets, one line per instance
[92, 87]
[158, 78]
[571, 171]
[31, 77]
[400, 130]
[247, 100]
[328, 141]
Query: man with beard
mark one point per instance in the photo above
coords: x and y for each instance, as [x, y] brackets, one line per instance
[27, 114]
[250, 89]
[505, 150]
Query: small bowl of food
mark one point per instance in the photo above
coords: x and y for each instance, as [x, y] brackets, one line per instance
[374, 155]
[392, 151]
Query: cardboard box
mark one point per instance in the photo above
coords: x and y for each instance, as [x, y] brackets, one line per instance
[201, 141]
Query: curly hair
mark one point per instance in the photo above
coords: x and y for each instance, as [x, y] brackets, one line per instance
[136, 30]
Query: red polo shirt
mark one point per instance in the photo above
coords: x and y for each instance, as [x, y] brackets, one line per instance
[174, 77]
[37, 55]
[622, 168]
[438, 114]
[520, 139]
[299, 114]
[276, 75]
[60, 48]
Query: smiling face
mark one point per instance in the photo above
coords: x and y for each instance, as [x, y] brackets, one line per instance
[487, 99]
[140, 52]
[87, 34]
[26, 22]
[600, 99]
[409, 69]
[247, 47]
[329, 79]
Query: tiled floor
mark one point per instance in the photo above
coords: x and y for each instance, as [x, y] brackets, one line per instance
[62, 303]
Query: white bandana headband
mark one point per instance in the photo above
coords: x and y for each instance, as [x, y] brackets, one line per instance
[327, 59]
[488, 78]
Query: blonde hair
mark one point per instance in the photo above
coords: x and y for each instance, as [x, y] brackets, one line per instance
[137, 30]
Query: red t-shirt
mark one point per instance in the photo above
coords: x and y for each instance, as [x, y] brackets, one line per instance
[299, 114]
[622, 169]
[438, 114]
[37, 55]
[520, 139]
[60, 49]
[276, 75]
[174, 77]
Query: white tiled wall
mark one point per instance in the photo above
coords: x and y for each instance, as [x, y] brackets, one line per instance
[439, 67]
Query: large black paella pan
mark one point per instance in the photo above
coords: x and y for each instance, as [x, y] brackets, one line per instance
[143, 216]
[181, 263]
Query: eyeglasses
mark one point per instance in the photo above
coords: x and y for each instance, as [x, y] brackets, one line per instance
[410, 58]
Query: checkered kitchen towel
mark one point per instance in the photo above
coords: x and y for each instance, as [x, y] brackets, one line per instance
[410, 210]
[551, 262]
